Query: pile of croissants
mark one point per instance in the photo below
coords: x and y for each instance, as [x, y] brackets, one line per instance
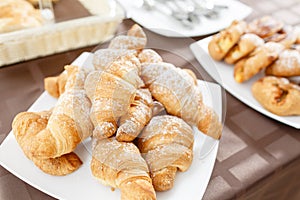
[264, 44]
[117, 103]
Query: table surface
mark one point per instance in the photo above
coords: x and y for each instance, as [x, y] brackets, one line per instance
[258, 158]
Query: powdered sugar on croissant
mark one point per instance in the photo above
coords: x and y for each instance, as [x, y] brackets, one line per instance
[69, 123]
[166, 144]
[138, 115]
[149, 56]
[111, 97]
[135, 39]
[120, 165]
[175, 88]
[127, 67]
[26, 126]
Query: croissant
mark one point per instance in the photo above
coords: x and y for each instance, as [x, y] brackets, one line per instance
[167, 146]
[75, 76]
[277, 95]
[246, 45]
[105, 57]
[258, 60]
[149, 56]
[135, 39]
[55, 85]
[121, 61]
[288, 64]
[120, 57]
[176, 89]
[137, 117]
[122, 45]
[222, 42]
[127, 67]
[111, 98]
[120, 165]
[69, 123]
[26, 126]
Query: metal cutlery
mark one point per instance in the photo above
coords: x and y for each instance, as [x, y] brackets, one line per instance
[188, 12]
[169, 9]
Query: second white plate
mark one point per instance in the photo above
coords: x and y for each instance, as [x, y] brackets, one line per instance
[223, 74]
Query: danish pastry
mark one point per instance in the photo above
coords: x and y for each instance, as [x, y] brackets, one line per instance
[288, 64]
[258, 60]
[222, 42]
[277, 95]
[265, 26]
[246, 45]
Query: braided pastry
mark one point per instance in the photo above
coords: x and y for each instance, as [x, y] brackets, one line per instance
[222, 42]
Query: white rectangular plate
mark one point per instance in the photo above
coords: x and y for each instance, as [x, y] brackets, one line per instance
[223, 74]
[82, 185]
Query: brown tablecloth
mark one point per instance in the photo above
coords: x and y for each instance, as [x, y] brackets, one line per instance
[258, 158]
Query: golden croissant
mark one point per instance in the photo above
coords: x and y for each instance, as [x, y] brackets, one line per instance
[149, 56]
[112, 88]
[126, 66]
[105, 57]
[69, 123]
[71, 77]
[135, 39]
[111, 98]
[176, 89]
[26, 126]
[120, 58]
[55, 85]
[167, 146]
[138, 115]
[120, 165]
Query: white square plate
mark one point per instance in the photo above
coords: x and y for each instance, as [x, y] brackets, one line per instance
[223, 74]
[82, 185]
